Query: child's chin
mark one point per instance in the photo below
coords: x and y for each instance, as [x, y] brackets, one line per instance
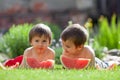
[67, 51]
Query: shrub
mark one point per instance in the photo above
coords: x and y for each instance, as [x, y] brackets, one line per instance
[98, 49]
[15, 41]
[56, 30]
[58, 52]
[108, 35]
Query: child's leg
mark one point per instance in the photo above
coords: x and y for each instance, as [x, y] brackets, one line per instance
[101, 64]
[104, 65]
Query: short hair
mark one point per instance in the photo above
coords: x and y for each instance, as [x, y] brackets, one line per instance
[39, 30]
[76, 33]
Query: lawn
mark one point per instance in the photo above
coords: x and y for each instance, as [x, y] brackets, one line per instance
[59, 74]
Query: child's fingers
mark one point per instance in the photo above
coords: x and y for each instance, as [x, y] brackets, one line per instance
[15, 66]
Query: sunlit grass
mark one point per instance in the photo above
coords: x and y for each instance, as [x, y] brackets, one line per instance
[59, 74]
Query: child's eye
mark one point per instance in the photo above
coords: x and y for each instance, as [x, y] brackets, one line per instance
[68, 46]
[36, 40]
[44, 41]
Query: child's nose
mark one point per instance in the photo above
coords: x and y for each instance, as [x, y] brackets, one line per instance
[40, 44]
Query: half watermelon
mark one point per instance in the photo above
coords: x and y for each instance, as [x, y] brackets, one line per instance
[77, 63]
[33, 63]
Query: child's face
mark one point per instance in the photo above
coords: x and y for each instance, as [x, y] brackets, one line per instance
[40, 43]
[69, 47]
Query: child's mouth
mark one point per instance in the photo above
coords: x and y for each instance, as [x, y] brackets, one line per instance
[40, 48]
[67, 51]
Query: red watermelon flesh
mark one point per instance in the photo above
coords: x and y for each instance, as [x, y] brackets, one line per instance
[77, 63]
[13, 61]
[33, 63]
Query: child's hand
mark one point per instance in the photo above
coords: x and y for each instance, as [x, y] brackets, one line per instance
[14, 66]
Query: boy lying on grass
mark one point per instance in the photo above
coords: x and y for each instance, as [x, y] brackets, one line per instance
[73, 39]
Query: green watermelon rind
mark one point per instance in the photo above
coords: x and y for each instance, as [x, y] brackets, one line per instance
[74, 60]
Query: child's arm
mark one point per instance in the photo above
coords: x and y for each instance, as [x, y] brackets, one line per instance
[92, 57]
[92, 62]
[51, 54]
[23, 63]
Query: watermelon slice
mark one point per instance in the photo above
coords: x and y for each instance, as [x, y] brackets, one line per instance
[77, 63]
[33, 63]
[12, 62]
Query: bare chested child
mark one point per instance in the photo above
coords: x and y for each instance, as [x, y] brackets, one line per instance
[40, 38]
[73, 39]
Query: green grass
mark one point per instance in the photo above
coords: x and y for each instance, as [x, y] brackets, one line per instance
[59, 74]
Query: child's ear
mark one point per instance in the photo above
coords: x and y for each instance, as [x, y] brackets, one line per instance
[50, 43]
[80, 47]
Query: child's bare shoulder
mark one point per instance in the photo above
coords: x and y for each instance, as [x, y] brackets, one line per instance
[89, 49]
[51, 50]
[27, 51]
